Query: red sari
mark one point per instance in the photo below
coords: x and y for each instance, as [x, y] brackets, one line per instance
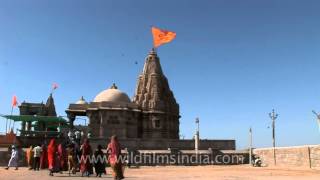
[44, 158]
[85, 165]
[29, 156]
[114, 151]
[62, 157]
[52, 157]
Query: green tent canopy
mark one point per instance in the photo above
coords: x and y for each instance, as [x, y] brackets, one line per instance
[30, 118]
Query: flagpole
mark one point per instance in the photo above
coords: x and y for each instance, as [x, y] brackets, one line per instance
[10, 120]
[13, 120]
[6, 125]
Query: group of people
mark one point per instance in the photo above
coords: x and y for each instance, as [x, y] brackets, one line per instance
[35, 157]
[72, 157]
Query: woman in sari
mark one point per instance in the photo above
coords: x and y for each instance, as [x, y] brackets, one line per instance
[44, 157]
[52, 157]
[100, 164]
[85, 164]
[114, 151]
[62, 157]
[29, 156]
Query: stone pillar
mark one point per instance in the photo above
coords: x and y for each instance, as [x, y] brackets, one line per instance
[71, 118]
[196, 137]
[29, 125]
[101, 128]
[23, 127]
[196, 142]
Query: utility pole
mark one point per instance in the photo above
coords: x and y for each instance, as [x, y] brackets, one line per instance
[273, 117]
[250, 146]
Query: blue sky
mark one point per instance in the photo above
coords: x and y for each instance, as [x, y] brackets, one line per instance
[231, 63]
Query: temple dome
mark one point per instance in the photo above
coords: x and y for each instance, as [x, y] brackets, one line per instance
[113, 94]
[81, 101]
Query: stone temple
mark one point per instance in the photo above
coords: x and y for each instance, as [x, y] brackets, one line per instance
[149, 121]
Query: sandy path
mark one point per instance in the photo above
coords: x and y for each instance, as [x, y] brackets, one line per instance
[242, 172]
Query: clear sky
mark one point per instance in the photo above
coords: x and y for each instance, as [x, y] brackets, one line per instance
[231, 63]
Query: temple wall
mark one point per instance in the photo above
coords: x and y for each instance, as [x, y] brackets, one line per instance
[156, 144]
[163, 144]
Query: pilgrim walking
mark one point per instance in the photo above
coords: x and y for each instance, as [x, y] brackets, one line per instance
[114, 151]
[100, 163]
[52, 157]
[13, 162]
[85, 164]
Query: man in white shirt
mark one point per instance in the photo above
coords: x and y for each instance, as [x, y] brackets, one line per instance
[36, 154]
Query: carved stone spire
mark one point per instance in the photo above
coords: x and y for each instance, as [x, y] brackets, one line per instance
[152, 64]
[50, 106]
[114, 86]
[153, 94]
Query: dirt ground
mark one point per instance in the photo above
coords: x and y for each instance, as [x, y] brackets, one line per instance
[238, 172]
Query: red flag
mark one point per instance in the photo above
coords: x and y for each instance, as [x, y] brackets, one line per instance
[14, 101]
[55, 86]
[161, 36]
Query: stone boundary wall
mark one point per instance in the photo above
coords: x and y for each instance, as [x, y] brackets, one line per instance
[295, 156]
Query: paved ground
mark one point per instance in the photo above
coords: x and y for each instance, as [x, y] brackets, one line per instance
[242, 172]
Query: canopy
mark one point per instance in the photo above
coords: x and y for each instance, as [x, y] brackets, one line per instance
[29, 118]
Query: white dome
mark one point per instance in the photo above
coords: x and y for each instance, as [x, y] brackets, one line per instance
[81, 101]
[113, 94]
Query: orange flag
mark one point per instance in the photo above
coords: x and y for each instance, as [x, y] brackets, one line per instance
[55, 86]
[161, 36]
[14, 101]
